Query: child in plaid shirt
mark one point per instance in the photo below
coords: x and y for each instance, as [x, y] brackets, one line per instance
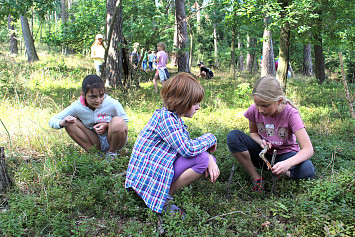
[165, 158]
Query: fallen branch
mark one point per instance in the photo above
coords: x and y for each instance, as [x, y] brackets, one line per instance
[226, 214]
[274, 180]
[262, 156]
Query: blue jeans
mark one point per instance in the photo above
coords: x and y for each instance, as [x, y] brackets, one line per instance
[238, 141]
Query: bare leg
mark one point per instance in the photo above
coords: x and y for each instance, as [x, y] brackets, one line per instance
[244, 160]
[156, 77]
[85, 137]
[187, 177]
[117, 133]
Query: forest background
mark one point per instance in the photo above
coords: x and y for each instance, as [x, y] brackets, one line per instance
[58, 190]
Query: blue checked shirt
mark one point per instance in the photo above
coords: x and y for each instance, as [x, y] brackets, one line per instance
[150, 169]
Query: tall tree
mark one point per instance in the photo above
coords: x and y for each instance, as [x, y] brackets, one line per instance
[241, 56]
[307, 60]
[13, 38]
[268, 62]
[180, 21]
[27, 35]
[114, 61]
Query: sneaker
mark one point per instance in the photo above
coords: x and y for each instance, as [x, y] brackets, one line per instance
[171, 208]
[258, 185]
[110, 156]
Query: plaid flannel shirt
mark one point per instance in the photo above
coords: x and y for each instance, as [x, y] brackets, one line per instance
[150, 169]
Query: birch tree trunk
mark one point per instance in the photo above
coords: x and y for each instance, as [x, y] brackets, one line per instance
[215, 45]
[307, 60]
[64, 21]
[183, 52]
[13, 39]
[27, 36]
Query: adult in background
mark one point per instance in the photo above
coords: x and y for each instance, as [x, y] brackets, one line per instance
[135, 55]
[98, 52]
[204, 71]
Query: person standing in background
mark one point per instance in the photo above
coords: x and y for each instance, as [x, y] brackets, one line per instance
[98, 53]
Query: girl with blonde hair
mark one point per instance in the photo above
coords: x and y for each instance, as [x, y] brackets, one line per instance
[273, 121]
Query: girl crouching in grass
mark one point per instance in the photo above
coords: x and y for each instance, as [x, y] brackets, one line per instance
[273, 121]
[95, 120]
[164, 157]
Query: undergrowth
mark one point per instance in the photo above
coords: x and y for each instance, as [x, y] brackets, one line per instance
[59, 190]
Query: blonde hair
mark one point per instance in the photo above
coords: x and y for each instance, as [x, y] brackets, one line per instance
[268, 89]
[162, 45]
[181, 92]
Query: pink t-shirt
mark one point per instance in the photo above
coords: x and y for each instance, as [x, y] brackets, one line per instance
[162, 60]
[278, 130]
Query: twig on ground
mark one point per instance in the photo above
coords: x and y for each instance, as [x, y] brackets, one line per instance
[274, 180]
[230, 179]
[226, 214]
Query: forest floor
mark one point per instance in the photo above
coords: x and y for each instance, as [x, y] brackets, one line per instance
[60, 190]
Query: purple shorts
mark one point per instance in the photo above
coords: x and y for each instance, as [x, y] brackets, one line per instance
[198, 164]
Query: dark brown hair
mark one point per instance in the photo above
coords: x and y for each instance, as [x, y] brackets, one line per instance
[90, 82]
[181, 92]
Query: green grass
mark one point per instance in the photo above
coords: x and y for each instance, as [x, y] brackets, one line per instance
[59, 190]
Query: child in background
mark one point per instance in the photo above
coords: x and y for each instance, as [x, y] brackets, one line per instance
[162, 71]
[164, 157]
[273, 121]
[95, 120]
[98, 53]
[151, 58]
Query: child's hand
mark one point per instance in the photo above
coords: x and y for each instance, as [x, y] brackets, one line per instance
[263, 143]
[68, 120]
[280, 167]
[100, 128]
[212, 170]
[212, 148]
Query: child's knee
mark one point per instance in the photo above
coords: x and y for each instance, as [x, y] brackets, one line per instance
[117, 124]
[305, 170]
[201, 162]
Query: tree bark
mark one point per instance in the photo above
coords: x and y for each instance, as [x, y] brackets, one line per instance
[64, 21]
[347, 93]
[268, 64]
[284, 56]
[319, 60]
[215, 45]
[13, 39]
[5, 179]
[250, 54]
[114, 61]
[232, 66]
[307, 60]
[241, 56]
[183, 52]
[30, 46]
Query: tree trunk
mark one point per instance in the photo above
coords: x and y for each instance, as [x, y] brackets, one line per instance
[191, 48]
[241, 56]
[307, 60]
[319, 60]
[268, 64]
[114, 61]
[64, 21]
[347, 93]
[13, 39]
[250, 54]
[175, 51]
[232, 66]
[215, 45]
[284, 56]
[5, 179]
[183, 52]
[27, 36]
